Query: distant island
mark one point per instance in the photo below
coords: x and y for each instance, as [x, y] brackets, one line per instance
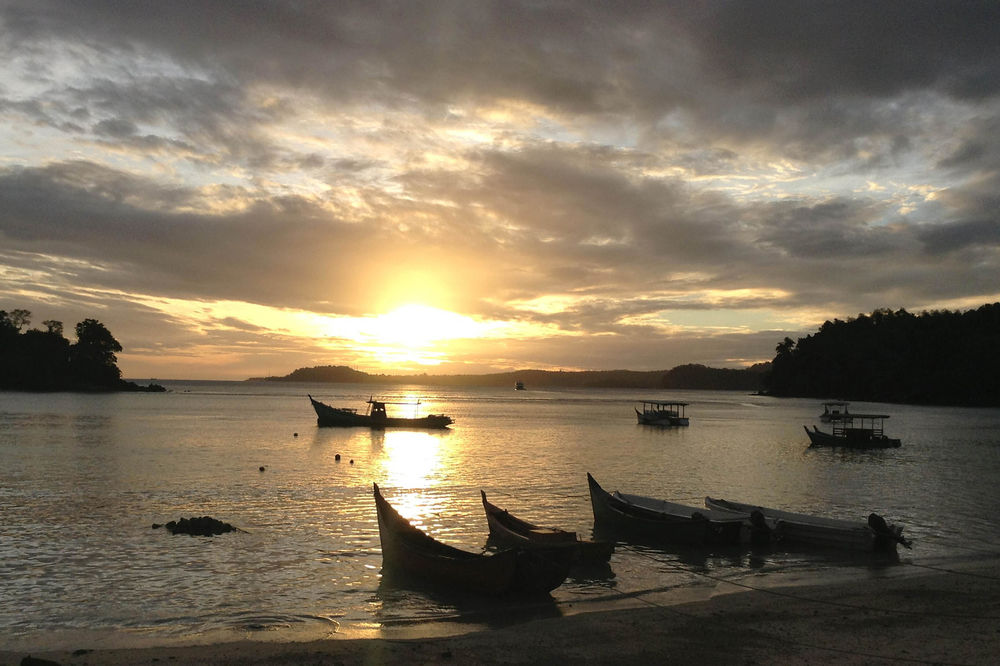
[690, 376]
[36, 360]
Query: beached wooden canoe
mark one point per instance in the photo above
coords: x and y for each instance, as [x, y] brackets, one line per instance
[509, 530]
[649, 518]
[818, 531]
[512, 571]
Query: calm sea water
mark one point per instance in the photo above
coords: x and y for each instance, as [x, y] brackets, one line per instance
[85, 476]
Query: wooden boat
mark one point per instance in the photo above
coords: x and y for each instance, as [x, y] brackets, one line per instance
[509, 530]
[662, 413]
[867, 433]
[833, 410]
[660, 520]
[804, 529]
[512, 571]
[375, 416]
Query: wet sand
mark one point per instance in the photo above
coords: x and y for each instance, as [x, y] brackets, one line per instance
[948, 613]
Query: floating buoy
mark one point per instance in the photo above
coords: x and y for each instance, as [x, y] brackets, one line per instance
[337, 457]
[295, 434]
[352, 461]
[262, 468]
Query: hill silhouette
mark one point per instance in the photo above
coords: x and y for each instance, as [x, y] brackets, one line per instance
[681, 377]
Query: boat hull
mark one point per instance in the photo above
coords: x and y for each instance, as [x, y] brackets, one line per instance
[861, 440]
[408, 550]
[509, 530]
[817, 531]
[337, 417]
[629, 516]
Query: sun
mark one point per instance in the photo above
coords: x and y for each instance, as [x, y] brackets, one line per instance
[416, 325]
[411, 334]
[416, 333]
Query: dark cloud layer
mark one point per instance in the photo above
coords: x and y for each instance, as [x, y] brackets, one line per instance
[628, 160]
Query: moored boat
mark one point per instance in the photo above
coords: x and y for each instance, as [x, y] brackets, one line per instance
[660, 520]
[375, 416]
[662, 413]
[509, 530]
[875, 534]
[834, 410]
[511, 571]
[855, 431]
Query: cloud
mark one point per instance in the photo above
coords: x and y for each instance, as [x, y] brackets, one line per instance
[609, 171]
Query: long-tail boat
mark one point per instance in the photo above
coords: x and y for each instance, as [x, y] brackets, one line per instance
[511, 571]
[875, 534]
[509, 530]
[661, 520]
[375, 416]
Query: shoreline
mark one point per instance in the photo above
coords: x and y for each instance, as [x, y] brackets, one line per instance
[948, 614]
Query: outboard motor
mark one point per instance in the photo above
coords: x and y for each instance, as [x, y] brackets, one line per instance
[760, 533]
[883, 532]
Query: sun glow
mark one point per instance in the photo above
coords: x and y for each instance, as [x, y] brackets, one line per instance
[411, 333]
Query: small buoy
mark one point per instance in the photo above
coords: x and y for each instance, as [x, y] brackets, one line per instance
[262, 468]
[337, 457]
[295, 434]
[352, 461]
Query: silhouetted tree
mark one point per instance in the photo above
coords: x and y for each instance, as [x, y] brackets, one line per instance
[941, 356]
[92, 358]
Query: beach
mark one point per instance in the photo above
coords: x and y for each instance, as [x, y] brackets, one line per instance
[948, 613]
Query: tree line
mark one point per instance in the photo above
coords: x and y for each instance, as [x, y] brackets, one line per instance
[44, 360]
[938, 357]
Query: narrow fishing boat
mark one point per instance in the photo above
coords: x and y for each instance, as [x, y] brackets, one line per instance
[854, 431]
[799, 528]
[662, 413]
[509, 530]
[661, 520]
[375, 416]
[512, 571]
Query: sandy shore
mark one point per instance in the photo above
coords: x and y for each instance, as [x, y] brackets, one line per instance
[947, 614]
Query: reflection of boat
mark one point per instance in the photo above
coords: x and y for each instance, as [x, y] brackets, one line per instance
[660, 519]
[509, 530]
[519, 386]
[801, 528]
[374, 417]
[662, 413]
[408, 550]
[833, 411]
[866, 434]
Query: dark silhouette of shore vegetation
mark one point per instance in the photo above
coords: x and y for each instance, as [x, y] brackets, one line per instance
[44, 360]
[681, 377]
[940, 357]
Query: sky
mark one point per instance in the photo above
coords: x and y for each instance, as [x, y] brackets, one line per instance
[239, 189]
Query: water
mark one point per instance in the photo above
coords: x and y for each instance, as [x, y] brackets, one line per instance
[85, 476]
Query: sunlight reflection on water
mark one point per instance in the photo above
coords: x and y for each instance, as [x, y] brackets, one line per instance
[85, 477]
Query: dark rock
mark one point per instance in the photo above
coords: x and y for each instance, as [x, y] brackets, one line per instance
[203, 526]
[35, 661]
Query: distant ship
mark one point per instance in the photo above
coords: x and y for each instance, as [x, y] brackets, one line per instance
[519, 386]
